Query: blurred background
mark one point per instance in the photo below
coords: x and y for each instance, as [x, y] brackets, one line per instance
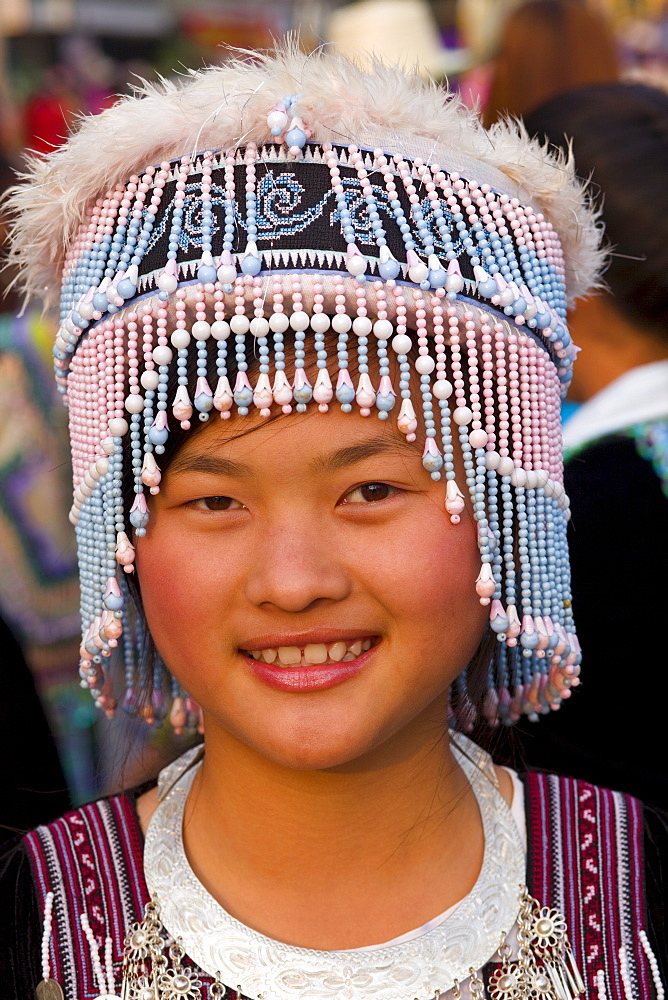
[63, 58]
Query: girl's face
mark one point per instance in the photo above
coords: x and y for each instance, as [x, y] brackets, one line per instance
[305, 585]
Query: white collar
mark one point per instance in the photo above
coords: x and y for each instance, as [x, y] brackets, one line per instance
[467, 938]
[638, 396]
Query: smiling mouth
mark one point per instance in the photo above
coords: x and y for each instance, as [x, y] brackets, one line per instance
[314, 654]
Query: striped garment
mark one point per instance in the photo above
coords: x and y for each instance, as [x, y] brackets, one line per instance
[585, 858]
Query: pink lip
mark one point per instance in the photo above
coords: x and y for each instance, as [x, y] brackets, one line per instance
[318, 677]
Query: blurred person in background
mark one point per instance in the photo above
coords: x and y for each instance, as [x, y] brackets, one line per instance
[38, 586]
[33, 786]
[571, 45]
[39, 596]
[616, 445]
[50, 110]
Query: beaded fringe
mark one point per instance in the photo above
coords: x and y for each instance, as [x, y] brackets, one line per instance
[480, 378]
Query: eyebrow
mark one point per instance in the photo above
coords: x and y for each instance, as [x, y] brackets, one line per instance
[210, 465]
[345, 457]
[214, 465]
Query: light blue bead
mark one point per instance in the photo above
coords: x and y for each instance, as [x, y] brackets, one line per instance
[385, 403]
[529, 642]
[303, 395]
[345, 394]
[203, 402]
[100, 302]
[295, 137]
[243, 397]
[250, 264]
[487, 288]
[157, 436]
[126, 288]
[432, 463]
[138, 518]
[389, 269]
[207, 274]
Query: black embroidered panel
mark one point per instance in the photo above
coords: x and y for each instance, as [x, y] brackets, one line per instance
[296, 209]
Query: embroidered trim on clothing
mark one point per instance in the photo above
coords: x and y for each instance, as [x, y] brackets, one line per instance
[586, 859]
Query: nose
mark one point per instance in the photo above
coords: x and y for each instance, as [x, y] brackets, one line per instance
[296, 566]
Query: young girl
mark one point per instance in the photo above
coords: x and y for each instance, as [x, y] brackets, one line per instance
[367, 548]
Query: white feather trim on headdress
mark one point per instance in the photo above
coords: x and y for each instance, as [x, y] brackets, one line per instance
[227, 106]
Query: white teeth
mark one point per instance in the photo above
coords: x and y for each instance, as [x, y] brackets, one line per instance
[289, 655]
[337, 651]
[315, 652]
[312, 653]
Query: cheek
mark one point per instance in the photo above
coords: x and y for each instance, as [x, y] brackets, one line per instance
[179, 589]
[433, 570]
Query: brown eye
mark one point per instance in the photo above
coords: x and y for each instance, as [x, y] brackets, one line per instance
[370, 493]
[219, 503]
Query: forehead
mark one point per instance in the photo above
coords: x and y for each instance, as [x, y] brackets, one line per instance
[316, 440]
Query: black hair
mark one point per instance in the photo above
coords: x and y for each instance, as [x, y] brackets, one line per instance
[619, 135]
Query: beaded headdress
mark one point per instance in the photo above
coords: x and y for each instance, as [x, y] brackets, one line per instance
[292, 231]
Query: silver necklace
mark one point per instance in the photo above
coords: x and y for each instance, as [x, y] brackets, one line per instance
[431, 963]
[182, 921]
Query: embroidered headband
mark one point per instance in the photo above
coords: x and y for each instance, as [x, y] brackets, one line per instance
[221, 272]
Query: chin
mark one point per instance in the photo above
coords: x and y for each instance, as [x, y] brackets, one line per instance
[306, 744]
[319, 751]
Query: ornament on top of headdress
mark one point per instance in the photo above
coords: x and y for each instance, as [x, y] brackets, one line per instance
[287, 125]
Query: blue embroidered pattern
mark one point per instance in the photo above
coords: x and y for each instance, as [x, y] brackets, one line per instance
[279, 198]
[283, 211]
[190, 237]
[293, 209]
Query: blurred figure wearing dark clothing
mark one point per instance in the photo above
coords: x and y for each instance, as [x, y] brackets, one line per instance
[33, 788]
[38, 584]
[616, 450]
